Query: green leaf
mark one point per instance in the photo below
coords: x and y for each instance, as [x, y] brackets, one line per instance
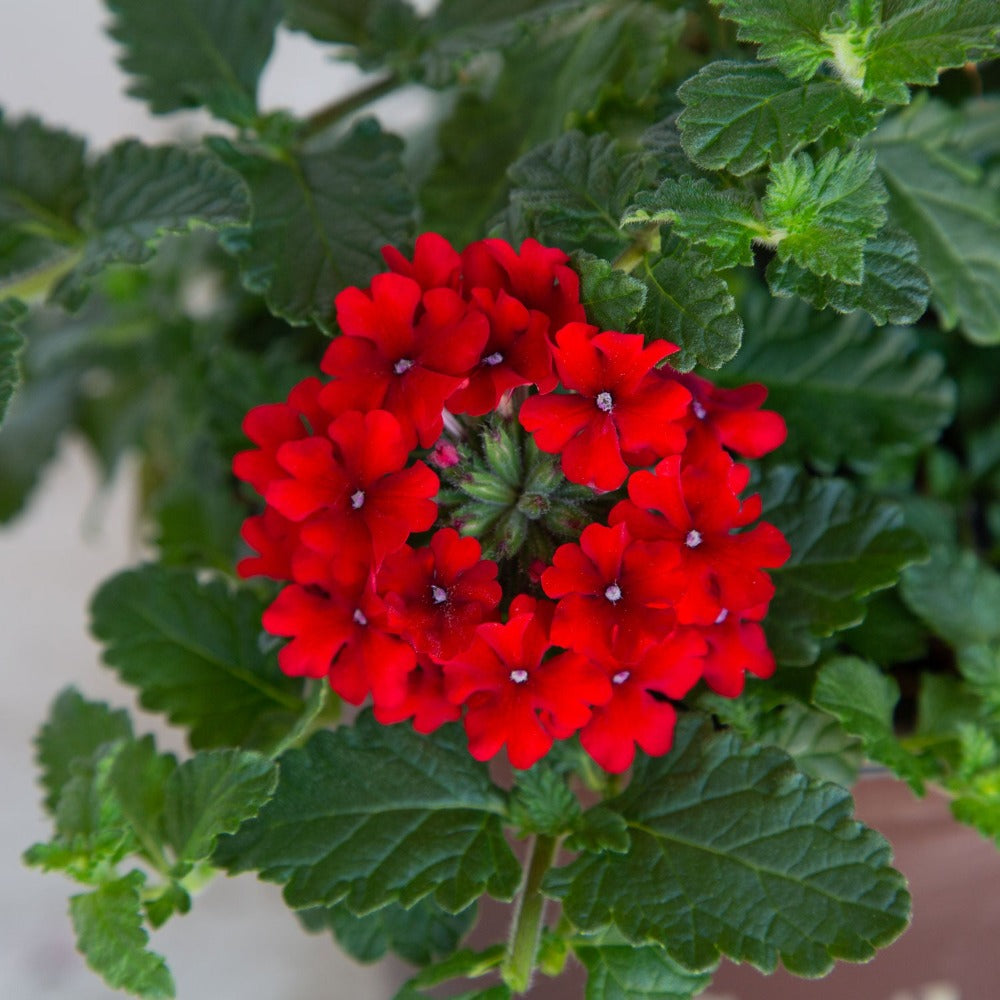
[815, 741]
[849, 394]
[11, 312]
[721, 221]
[864, 698]
[542, 801]
[980, 666]
[417, 934]
[741, 115]
[690, 305]
[193, 651]
[822, 214]
[572, 191]
[957, 595]
[196, 52]
[894, 288]
[769, 865]
[75, 729]
[944, 202]
[108, 924]
[337, 207]
[214, 793]
[611, 298]
[599, 829]
[464, 963]
[137, 780]
[378, 814]
[621, 971]
[845, 545]
[137, 194]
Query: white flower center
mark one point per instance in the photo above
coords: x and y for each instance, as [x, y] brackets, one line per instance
[359, 617]
[722, 616]
[493, 359]
[613, 593]
[693, 538]
[402, 365]
[358, 499]
[519, 676]
[621, 677]
[438, 594]
[699, 411]
[604, 402]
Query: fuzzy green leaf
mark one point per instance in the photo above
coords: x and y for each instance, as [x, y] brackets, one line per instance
[191, 53]
[689, 304]
[617, 970]
[378, 814]
[864, 698]
[845, 545]
[109, 932]
[741, 115]
[193, 651]
[849, 394]
[542, 801]
[722, 222]
[893, 289]
[137, 780]
[611, 298]
[768, 865]
[822, 214]
[945, 203]
[337, 208]
[214, 793]
[11, 312]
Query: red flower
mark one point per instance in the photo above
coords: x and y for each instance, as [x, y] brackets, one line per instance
[620, 412]
[436, 264]
[511, 695]
[425, 700]
[276, 539]
[403, 351]
[736, 645]
[359, 500]
[438, 595]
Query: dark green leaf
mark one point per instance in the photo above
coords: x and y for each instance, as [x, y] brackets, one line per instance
[378, 814]
[848, 393]
[980, 666]
[690, 305]
[769, 865]
[599, 829]
[621, 971]
[845, 545]
[741, 115]
[193, 651]
[214, 793]
[464, 963]
[11, 312]
[196, 52]
[542, 801]
[822, 214]
[109, 932]
[611, 298]
[864, 698]
[816, 742]
[337, 208]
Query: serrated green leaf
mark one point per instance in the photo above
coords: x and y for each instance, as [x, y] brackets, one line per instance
[611, 298]
[864, 698]
[822, 214]
[193, 651]
[378, 814]
[621, 971]
[943, 201]
[690, 305]
[11, 341]
[957, 595]
[741, 115]
[214, 793]
[980, 666]
[109, 932]
[196, 52]
[845, 545]
[75, 729]
[723, 222]
[137, 781]
[979, 806]
[599, 829]
[815, 741]
[893, 289]
[849, 394]
[572, 191]
[137, 194]
[359, 23]
[417, 934]
[769, 865]
[337, 208]
[542, 802]
[464, 963]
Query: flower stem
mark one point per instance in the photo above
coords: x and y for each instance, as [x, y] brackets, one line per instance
[522, 948]
[326, 116]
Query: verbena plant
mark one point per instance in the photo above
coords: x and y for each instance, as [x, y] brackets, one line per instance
[792, 194]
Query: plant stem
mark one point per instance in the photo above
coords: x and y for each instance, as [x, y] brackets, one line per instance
[333, 112]
[522, 948]
[645, 240]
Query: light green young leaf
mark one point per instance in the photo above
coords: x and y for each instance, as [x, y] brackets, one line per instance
[741, 115]
[542, 802]
[689, 304]
[822, 214]
[864, 698]
[337, 207]
[943, 201]
[109, 932]
[137, 781]
[845, 545]
[849, 394]
[770, 866]
[618, 970]
[190, 53]
[378, 814]
[611, 298]
[213, 793]
[11, 312]
[723, 222]
[193, 651]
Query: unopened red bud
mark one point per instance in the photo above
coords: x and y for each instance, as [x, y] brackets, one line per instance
[444, 455]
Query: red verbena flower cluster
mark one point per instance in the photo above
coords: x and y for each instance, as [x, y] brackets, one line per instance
[386, 599]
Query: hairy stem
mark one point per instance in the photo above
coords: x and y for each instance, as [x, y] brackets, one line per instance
[336, 110]
[522, 948]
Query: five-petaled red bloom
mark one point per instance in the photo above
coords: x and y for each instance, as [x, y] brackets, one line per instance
[386, 600]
